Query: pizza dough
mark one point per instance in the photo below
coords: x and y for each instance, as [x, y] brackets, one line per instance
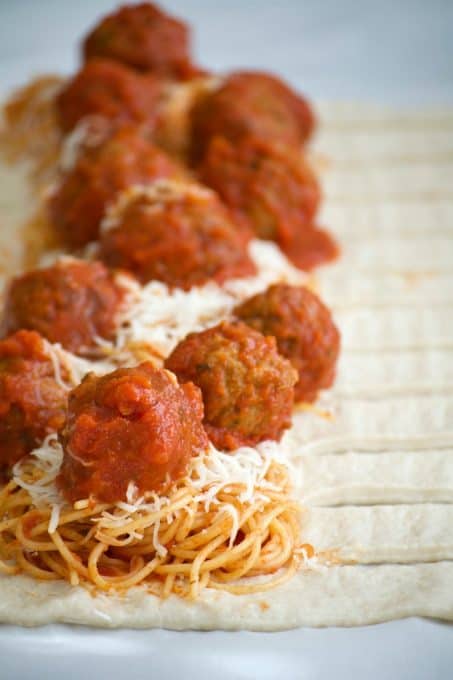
[375, 470]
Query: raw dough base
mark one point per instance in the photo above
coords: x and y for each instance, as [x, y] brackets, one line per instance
[378, 476]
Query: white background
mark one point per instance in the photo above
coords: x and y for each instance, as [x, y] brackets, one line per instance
[397, 52]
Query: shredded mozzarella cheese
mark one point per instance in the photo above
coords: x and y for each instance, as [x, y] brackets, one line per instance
[47, 460]
[249, 466]
[75, 367]
[54, 518]
[89, 132]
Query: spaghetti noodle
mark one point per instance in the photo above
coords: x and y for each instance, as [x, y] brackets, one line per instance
[210, 531]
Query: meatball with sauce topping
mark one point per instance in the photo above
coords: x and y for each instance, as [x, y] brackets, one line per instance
[179, 234]
[32, 402]
[72, 302]
[251, 104]
[274, 192]
[121, 158]
[135, 425]
[111, 90]
[304, 330]
[247, 386]
[145, 38]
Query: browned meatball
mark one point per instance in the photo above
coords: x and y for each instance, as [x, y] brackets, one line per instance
[247, 386]
[145, 38]
[70, 302]
[32, 402]
[133, 425]
[251, 104]
[121, 158]
[176, 233]
[304, 330]
[111, 90]
[273, 191]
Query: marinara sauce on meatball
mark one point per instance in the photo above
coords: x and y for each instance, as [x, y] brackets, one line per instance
[135, 425]
[274, 191]
[145, 38]
[304, 330]
[272, 188]
[111, 90]
[72, 302]
[251, 103]
[122, 158]
[179, 234]
[32, 402]
[247, 386]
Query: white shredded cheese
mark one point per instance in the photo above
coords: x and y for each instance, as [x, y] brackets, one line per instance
[54, 518]
[249, 466]
[89, 132]
[232, 511]
[76, 367]
[131, 493]
[47, 460]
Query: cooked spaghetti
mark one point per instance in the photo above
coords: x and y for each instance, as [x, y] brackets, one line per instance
[229, 524]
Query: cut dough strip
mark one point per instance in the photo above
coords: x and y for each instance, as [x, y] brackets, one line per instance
[376, 478]
[417, 254]
[349, 117]
[342, 444]
[395, 328]
[383, 534]
[367, 288]
[387, 146]
[389, 219]
[365, 375]
[416, 416]
[431, 180]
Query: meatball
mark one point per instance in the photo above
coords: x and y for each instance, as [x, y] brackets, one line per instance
[273, 189]
[71, 302]
[274, 192]
[145, 38]
[135, 425]
[304, 330]
[124, 157]
[32, 402]
[176, 233]
[251, 104]
[247, 386]
[111, 90]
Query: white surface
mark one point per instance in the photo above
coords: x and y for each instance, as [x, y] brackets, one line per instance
[397, 52]
[392, 50]
[415, 650]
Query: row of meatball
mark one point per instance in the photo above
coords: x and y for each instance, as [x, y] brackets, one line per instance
[236, 382]
[262, 191]
[279, 346]
[244, 137]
